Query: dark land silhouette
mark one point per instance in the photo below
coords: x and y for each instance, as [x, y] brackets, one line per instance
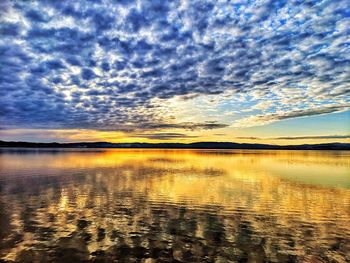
[194, 145]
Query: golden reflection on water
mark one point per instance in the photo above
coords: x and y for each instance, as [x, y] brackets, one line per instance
[166, 205]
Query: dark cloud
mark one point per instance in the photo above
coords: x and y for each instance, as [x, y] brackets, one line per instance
[163, 136]
[105, 66]
[87, 74]
[116, 65]
[54, 64]
[250, 138]
[136, 20]
[185, 125]
[9, 29]
[36, 16]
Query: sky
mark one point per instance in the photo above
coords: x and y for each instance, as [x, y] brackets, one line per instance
[264, 71]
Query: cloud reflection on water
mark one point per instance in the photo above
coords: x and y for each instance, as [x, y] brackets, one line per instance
[173, 205]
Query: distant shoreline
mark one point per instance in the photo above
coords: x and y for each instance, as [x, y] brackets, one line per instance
[195, 145]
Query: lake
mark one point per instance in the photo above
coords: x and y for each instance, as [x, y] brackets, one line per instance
[103, 205]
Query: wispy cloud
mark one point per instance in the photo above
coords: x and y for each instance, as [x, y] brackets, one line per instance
[267, 118]
[163, 136]
[311, 137]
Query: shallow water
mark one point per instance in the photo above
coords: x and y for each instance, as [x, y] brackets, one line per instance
[174, 206]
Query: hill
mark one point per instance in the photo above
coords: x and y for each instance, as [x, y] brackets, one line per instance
[195, 145]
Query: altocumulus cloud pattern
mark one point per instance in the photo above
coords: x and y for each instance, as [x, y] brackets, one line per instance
[116, 65]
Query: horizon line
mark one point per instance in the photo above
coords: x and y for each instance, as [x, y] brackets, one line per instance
[169, 143]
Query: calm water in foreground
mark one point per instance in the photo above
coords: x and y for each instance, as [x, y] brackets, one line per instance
[174, 206]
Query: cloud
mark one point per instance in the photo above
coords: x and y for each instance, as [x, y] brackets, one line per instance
[163, 136]
[87, 74]
[311, 137]
[256, 120]
[35, 15]
[117, 65]
[9, 29]
[184, 125]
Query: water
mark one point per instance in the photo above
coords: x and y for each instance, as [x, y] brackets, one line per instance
[174, 206]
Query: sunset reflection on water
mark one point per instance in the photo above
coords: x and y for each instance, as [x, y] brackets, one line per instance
[168, 205]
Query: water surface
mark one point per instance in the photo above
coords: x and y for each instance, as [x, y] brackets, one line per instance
[174, 206]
